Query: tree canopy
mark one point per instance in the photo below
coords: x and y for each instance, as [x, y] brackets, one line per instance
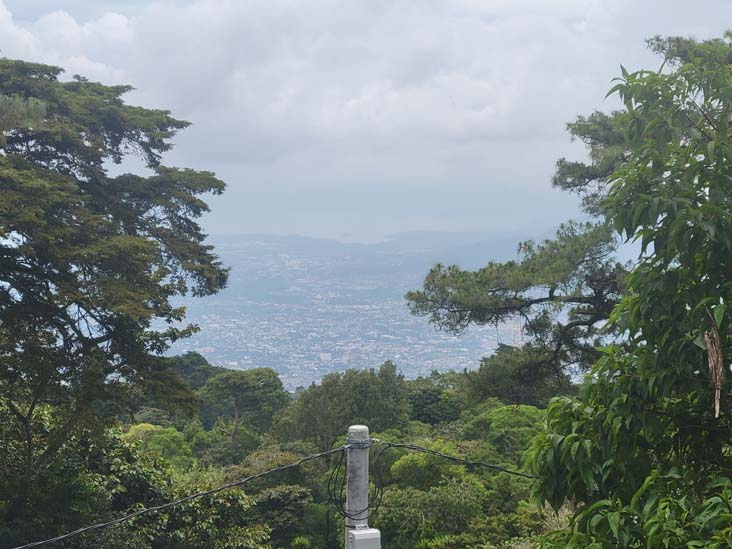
[253, 396]
[17, 112]
[644, 451]
[562, 289]
[89, 262]
[322, 413]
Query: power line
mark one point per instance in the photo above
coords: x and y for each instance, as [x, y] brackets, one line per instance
[203, 493]
[336, 481]
[462, 461]
[335, 486]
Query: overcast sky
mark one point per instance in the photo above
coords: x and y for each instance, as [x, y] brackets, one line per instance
[363, 118]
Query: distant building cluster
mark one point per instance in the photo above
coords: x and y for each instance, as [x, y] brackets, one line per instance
[308, 315]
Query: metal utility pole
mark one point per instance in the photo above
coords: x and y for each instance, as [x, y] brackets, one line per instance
[358, 533]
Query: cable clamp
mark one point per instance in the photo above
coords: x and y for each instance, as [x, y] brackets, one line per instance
[353, 443]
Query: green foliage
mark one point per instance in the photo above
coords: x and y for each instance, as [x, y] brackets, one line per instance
[219, 521]
[290, 508]
[270, 455]
[96, 480]
[155, 416]
[516, 376]
[457, 513]
[252, 396]
[410, 515]
[18, 112]
[87, 482]
[286, 502]
[89, 264]
[604, 136]
[165, 442]
[424, 471]
[282, 508]
[508, 429]
[301, 542]
[194, 369]
[641, 450]
[570, 276]
[437, 398]
[226, 443]
[563, 291]
[322, 413]
[421, 489]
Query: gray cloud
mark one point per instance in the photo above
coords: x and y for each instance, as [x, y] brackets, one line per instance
[328, 117]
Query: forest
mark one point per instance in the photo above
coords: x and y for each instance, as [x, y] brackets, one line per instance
[609, 427]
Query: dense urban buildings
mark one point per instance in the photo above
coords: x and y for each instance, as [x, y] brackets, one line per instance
[307, 307]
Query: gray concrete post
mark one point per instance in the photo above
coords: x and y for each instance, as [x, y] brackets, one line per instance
[357, 477]
[358, 533]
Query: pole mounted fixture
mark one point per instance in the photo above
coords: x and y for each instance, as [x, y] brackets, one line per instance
[358, 533]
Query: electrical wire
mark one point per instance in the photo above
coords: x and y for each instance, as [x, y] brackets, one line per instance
[378, 480]
[386, 445]
[337, 479]
[332, 488]
[203, 493]
[328, 529]
[335, 487]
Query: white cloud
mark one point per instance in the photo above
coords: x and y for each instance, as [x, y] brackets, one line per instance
[13, 37]
[417, 96]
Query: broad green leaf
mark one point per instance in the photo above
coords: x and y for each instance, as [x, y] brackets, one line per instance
[613, 520]
[719, 311]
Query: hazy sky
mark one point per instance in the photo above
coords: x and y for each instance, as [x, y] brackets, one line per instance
[335, 117]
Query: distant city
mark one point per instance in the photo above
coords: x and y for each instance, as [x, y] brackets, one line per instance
[307, 307]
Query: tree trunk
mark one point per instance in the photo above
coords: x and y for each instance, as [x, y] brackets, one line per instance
[235, 427]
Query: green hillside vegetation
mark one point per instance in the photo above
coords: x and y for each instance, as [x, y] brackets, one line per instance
[296, 504]
[159, 454]
[96, 422]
